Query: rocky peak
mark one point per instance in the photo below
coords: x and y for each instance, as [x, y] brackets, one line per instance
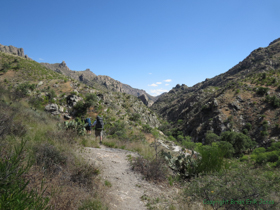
[12, 50]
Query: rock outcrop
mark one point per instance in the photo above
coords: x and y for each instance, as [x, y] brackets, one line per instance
[12, 50]
[146, 100]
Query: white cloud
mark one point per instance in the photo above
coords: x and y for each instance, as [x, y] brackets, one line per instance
[154, 85]
[41, 59]
[150, 73]
[157, 92]
[168, 80]
[166, 84]
[158, 83]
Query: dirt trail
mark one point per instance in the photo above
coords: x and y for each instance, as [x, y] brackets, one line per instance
[129, 190]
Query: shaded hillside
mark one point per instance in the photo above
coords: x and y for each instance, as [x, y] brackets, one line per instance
[102, 82]
[245, 98]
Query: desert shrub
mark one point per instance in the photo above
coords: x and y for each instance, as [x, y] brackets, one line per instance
[211, 159]
[51, 94]
[248, 126]
[273, 100]
[211, 137]
[8, 126]
[118, 130]
[84, 175]
[48, 157]
[80, 108]
[165, 128]
[275, 146]
[155, 169]
[242, 184]
[245, 131]
[227, 148]
[262, 90]
[188, 144]
[135, 117]
[36, 102]
[5, 67]
[146, 128]
[244, 158]
[171, 138]
[180, 138]
[258, 150]
[92, 205]
[239, 141]
[63, 136]
[13, 185]
[90, 100]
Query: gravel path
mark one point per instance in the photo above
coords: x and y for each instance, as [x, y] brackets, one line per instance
[127, 186]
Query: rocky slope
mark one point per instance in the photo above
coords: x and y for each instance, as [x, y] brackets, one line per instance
[58, 94]
[244, 97]
[102, 82]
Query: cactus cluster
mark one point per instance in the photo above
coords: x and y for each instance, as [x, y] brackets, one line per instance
[184, 165]
[76, 125]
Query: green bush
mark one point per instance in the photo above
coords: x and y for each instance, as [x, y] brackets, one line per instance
[13, 186]
[171, 138]
[92, 205]
[211, 137]
[259, 150]
[81, 109]
[48, 156]
[241, 184]
[212, 159]
[146, 128]
[248, 126]
[262, 90]
[135, 117]
[244, 158]
[240, 141]
[227, 148]
[275, 146]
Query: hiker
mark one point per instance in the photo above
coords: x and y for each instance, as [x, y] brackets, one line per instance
[99, 125]
[88, 127]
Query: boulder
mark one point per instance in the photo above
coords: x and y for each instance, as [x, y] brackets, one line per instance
[67, 117]
[73, 99]
[40, 83]
[61, 109]
[52, 108]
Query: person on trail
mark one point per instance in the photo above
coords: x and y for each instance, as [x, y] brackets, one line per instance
[99, 125]
[88, 127]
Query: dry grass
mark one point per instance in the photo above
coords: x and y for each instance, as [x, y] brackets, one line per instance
[143, 148]
[68, 180]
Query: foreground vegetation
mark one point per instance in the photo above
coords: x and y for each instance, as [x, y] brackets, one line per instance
[38, 165]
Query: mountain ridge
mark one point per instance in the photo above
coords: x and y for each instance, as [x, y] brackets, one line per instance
[103, 81]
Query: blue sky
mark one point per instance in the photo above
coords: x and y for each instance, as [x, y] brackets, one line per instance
[147, 44]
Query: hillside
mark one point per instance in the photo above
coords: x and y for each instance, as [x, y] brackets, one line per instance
[243, 99]
[102, 82]
[53, 164]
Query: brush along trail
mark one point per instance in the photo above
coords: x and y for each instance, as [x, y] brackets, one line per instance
[129, 190]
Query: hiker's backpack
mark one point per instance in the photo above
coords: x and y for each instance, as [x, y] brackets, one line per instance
[99, 122]
[88, 121]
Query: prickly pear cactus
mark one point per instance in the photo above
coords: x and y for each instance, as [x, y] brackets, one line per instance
[77, 125]
[183, 165]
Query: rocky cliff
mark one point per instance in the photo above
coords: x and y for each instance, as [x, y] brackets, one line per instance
[13, 50]
[242, 99]
[101, 81]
